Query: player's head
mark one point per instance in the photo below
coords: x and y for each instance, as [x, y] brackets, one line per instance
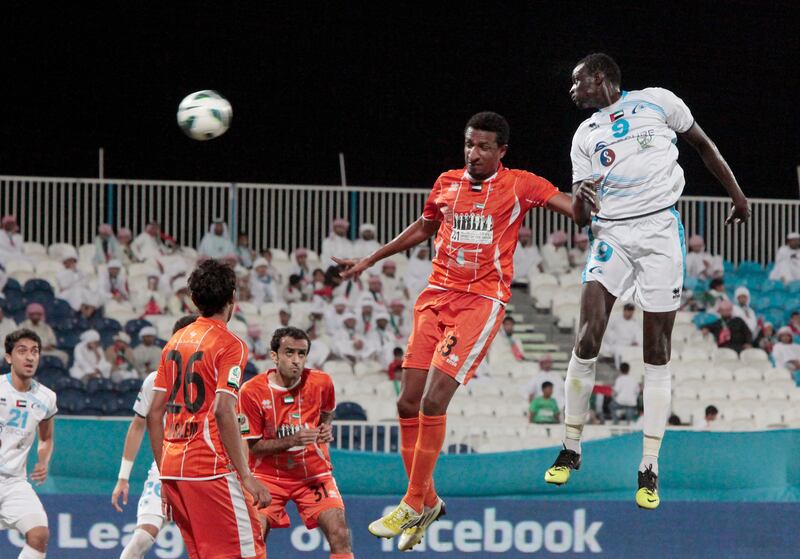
[594, 79]
[22, 352]
[624, 368]
[508, 324]
[213, 288]
[485, 143]
[793, 240]
[290, 347]
[547, 389]
[546, 362]
[628, 310]
[183, 322]
[711, 413]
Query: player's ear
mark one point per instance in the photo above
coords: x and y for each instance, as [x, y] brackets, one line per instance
[502, 151]
[274, 356]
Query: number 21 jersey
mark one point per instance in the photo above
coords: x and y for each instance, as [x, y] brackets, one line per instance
[200, 360]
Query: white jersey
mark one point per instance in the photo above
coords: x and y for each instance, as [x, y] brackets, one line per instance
[631, 147]
[20, 415]
[145, 398]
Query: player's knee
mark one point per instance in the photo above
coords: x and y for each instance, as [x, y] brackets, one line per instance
[589, 340]
[434, 404]
[38, 538]
[406, 406]
[339, 538]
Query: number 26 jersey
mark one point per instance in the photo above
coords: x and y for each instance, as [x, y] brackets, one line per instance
[199, 360]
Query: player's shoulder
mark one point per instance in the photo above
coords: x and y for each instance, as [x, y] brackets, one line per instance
[528, 177]
[451, 175]
[149, 381]
[318, 377]
[257, 384]
[43, 393]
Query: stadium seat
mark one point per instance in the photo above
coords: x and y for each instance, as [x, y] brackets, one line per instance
[50, 362]
[718, 373]
[765, 418]
[543, 295]
[12, 286]
[49, 376]
[772, 391]
[67, 341]
[14, 266]
[72, 401]
[793, 287]
[34, 249]
[726, 357]
[106, 402]
[745, 374]
[126, 401]
[755, 357]
[540, 280]
[132, 328]
[744, 390]
[129, 385]
[685, 392]
[349, 411]
[99, 385]
[775, 374]
[717, 390]
[59, 309]
[774, 315]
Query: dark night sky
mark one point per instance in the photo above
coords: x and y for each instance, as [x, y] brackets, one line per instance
[391, 87]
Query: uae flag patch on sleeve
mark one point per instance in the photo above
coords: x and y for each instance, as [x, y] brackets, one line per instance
[617, 115]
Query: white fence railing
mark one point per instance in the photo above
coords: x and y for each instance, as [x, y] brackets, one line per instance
[52, 209]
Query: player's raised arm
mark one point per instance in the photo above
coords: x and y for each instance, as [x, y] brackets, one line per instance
[421, 230]
[714, 162]
[45, 452]
[155, 424]
[133, 440]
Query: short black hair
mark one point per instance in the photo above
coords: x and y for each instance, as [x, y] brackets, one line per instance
[711, 410]
[398, 352]
[624, 368]
[716, 282]
[212, 285]
[290, 331]
[183, 322]
[21, 334]
[601, 62]
[629, 307]
[547, 384]
[674, 420]
[294, 279]
[509, 317]
[490, 122]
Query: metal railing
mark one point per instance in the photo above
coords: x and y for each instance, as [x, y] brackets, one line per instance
[57, 209]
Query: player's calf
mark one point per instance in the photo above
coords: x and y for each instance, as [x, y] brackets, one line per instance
[36, 540]
[140, 543]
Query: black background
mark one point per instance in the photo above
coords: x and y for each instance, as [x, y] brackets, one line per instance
[390, 85]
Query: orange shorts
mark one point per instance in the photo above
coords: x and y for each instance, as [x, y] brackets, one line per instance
[215, 517]
[452, 331]
[311, 496]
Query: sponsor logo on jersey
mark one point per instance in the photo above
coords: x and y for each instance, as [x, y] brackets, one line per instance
[600, 145]
[2, 401]
[453, 186]
[235, 377]
[266, 404]
[638, 107]
[607, 157]
[617, 115]
[645, 138]
[676, 293]
[472, 228]
[244, 424]
[596, 270]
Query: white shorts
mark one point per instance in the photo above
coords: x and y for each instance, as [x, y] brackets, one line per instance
[20, 507]
[645, 254]
[149, 509]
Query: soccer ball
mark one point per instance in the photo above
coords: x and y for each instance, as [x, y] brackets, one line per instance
[204, 115]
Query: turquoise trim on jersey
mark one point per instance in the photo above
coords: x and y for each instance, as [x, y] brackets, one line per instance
[590, 251]
[34, 384]
[681, 237]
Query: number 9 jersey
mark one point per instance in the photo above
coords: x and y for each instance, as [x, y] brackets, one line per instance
[199, 360]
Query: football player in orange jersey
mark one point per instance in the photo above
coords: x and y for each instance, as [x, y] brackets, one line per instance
[285, 416]
[475, 213]
[198, 449]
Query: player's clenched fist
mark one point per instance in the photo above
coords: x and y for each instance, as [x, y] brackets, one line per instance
[305, 436]
[261, 496]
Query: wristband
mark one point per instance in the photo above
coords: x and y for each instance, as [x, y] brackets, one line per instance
[125, 469]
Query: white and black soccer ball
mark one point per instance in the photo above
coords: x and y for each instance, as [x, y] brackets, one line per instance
[204, 115]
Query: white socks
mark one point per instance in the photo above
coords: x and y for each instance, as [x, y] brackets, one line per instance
[657, 400]
[140, 544]
[578, 388]
[29, 553]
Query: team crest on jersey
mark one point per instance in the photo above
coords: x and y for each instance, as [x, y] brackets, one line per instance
[645, 138]
[244, 424]
[472, 229]
[235, 377]
[266, 404]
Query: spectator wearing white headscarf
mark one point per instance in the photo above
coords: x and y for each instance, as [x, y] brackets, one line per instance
[70, 281]
[148, 243]
[337, 244]
[180, 302]
[350, 344]
[120, 355]
[113, 282]
[106, 246]
[366, 243]
[263, 283]
[579, 253]
[787, 260]
[785, 352]
[527, 259]
[743, 310]
[217, 242]
[147, 355]
[555, 257]
[12, 246]
[701, 264]
[89, 360]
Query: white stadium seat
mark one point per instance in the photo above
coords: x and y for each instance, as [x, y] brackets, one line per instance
[279, 254]
[755, 357]
[56, 250]
[34, 249]
[718, 373]
[725, 356]
[744, 374]
[13, 266]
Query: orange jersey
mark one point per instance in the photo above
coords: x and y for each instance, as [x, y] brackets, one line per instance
[480, 224]
[200, 360]
[270, 411]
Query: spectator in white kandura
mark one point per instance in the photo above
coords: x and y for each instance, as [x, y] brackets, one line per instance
[366, 318]
[263, 283]
[399, 320]
[150, 300]
[300, 266]
[217, 242]
[506, 347]
[180, 302]
[392, 285]
[257, 346]
[35, 321]
[542, 373]
[383, 338]
[375, 291]
[366, 243]
[89, 361]
[12, 246]
[715, 295]
[349, 344]
[622, 332]
[527, 259]
[284, 319]
[125, 240]
[787, 260]
[743, 310]
[789, 251]
[148, 243]
[555, 257]
[146, 355]
[419, 270]
[294, 290]
[709, 421]
[244, 252]
[786, 353]
[700, 264]
[334, 315]
[120, 355]
[578, 254]
[625, 395]
[320, 350]
[266, 254]
[113, 282]
[106, 246]
[70, 282]
[336, 244]
[7, 325]
[316, 316]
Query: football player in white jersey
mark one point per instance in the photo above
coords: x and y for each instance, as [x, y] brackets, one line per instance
[628, 148]
[26, 407]
[149, 514]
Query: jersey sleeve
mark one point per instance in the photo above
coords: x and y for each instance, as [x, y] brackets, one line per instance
[160, 380]
[537, 191]
[431, 210]
[230, 362]
[53, 410]
[678, 115]
[328, 401]
[142, 405]
[251, 416]
[581, 159]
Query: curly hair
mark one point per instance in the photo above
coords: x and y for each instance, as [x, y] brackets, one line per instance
[21, 334]
[601, 62]
[212, 285]
[292, 332]
[491, 122]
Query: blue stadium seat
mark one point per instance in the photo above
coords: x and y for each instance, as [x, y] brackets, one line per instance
[12, 286]
[50, 362]
[132, 328]
[88, 410]
[703, 318]
[64, 325]
[126, 401]
[107, 402]
[775, 316]
[5, 368]
[34, 285]
[460, 449]
[72, 401]
[761, 303]
[14, 302]
[728, 267]
[59, 310]
[777, 298]
[68, 341]
[67, 382]
[3, 304]
[793, 287]
[50, 377]
[129, 385]
[749, 266]
[250, 371]
[773, 285]
[99, 385]
[350, 411]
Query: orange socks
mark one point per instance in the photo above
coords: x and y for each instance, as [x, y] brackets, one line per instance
[342, 556]
[409, 432]
[432, 431]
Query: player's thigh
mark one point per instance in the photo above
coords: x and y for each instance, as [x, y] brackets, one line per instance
[660, 263]
[20, 507]
[149, 509]
[609, 261]
[275, 512]
[426, 331]
[470, 324]
[316, 496]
